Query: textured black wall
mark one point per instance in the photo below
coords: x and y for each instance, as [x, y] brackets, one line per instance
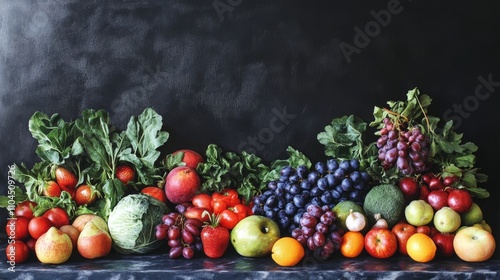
[248, 74]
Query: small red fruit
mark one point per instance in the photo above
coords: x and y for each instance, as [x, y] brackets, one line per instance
[17, 228]
[57, 216]
[52, 189]
[25, 209]
[85, 195]
[409, 187]
[125, 173]
[436, 184]
[66, 179]
[459, 200]
[17, 252]
[438, 199]
[156, 193]
[214, 238]
[38, 226]
[190, 157]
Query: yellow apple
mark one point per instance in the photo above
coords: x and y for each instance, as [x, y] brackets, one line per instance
[473, 244]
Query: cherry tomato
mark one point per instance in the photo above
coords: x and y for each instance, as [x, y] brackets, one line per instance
[240, 210]
[57, 216]
[25, 209]
[228, 219]
[17, 228]
[17, 252]
[202, 200]
[218, 206]
[156, 193]
[85, 195]
[38, 226]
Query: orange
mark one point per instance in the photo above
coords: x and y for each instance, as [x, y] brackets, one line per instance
[353, 243]
[421, 247]
[287, 251]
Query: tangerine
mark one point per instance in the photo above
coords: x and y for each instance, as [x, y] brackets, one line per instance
[353, 243]
[421, 247]
[287, 251]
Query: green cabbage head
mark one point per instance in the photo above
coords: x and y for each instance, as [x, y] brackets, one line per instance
[132, 224]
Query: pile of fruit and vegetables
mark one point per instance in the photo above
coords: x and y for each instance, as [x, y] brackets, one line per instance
[415, 192]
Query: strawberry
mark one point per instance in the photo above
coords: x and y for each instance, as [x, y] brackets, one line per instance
[214, 237]
[125, 173]
[51, 189]
[66, 179]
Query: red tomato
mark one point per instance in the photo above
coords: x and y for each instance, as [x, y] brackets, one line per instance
[218, 206]
[25, 209]
[38, 226]
[57, 216]
[17, 228]
[381, 243]
[156, 193]
[240, 210]
[17, 252]
[202, 200]
[228, 219]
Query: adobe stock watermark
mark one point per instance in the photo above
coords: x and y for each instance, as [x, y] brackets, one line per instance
[458, 112]
[277, 123]
[11, 220]
[362, 37]
[223, 6]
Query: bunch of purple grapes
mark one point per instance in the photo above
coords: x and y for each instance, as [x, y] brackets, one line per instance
[183, 235]
[318, 231]
[326, 184]
[407, 149]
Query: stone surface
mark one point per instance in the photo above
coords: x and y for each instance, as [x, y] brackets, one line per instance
[158, 266]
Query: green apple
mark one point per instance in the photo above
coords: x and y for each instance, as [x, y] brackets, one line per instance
[419, 213]
[254, 236]
[447, 220]
[473, 216]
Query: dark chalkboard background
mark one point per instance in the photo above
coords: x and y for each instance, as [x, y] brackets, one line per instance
[222, 71]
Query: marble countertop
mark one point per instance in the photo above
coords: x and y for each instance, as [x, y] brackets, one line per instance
[157, 265]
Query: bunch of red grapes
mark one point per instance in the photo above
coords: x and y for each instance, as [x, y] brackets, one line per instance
[318, 231]
[183, 235]
[408, 149]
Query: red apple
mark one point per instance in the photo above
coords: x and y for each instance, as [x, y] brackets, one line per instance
[459, 200]
[423, 192]
[182, 184]
[473, 244]
[409, 187]
[436, 184]
[444, 243]
[381, 243]
[190, 158]
[438, 199]
[403, 231]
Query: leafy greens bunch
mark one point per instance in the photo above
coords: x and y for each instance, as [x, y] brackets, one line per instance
[91, 147]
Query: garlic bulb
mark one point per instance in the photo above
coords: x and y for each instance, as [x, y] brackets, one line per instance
[355, 221]
[379, 222]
